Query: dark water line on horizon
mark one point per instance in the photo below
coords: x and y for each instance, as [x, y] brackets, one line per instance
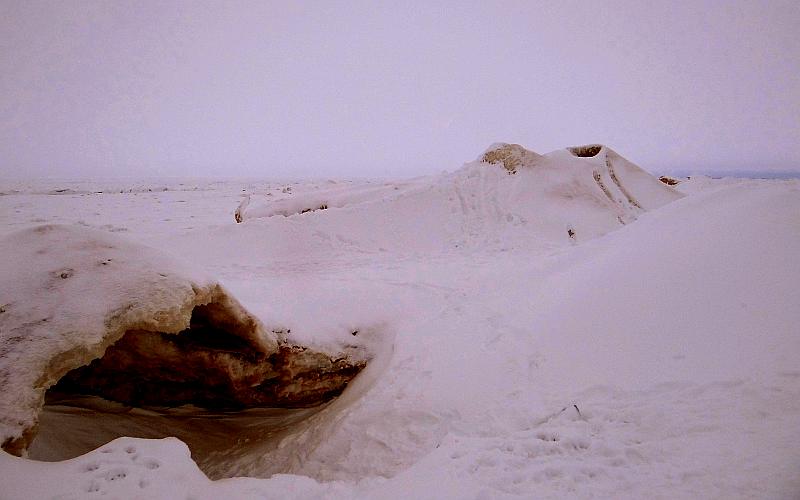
[742, 174]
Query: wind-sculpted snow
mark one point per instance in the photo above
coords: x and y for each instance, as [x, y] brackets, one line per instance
[509, 198]
[85, 312]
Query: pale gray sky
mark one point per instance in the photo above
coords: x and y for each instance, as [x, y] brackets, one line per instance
[391, 88]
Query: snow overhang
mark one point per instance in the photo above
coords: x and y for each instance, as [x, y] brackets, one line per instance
[86, 312]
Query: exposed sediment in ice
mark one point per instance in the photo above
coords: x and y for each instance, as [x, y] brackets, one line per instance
[511, 156]
[91, 313]
[209, 369]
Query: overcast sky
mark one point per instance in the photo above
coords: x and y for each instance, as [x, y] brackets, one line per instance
[373, 88]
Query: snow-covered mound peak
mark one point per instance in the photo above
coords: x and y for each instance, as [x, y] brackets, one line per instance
[511, 156]
[592, 175]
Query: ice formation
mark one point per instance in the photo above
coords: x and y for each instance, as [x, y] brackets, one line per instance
[86, 312]
[509, 196]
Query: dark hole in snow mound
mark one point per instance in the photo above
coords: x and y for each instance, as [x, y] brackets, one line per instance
[208, 365]
[586, 151]
[147, 339]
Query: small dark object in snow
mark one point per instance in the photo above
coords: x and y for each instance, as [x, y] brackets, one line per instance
[354, 333]
[669, 181]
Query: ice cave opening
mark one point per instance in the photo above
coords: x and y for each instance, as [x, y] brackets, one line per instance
[210, 386]
[587, 151]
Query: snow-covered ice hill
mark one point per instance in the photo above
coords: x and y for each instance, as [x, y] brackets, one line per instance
[533, 200]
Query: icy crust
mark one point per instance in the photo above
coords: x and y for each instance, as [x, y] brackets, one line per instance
[101, 315]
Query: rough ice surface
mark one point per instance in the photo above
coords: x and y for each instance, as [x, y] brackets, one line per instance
[653, 355]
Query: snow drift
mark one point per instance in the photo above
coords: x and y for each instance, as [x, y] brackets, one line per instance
[508, 198]
[330, 195]
[85, 312]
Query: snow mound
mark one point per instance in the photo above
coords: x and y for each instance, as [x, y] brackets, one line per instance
[87, 312]
[551, 200]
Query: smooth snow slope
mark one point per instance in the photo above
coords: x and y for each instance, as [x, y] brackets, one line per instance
[658, 360]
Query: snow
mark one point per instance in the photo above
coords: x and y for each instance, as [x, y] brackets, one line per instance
[654, 356]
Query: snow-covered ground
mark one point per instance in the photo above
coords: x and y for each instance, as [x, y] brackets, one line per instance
[532, 336]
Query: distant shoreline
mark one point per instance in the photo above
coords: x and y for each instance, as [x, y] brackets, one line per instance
[742, 174]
